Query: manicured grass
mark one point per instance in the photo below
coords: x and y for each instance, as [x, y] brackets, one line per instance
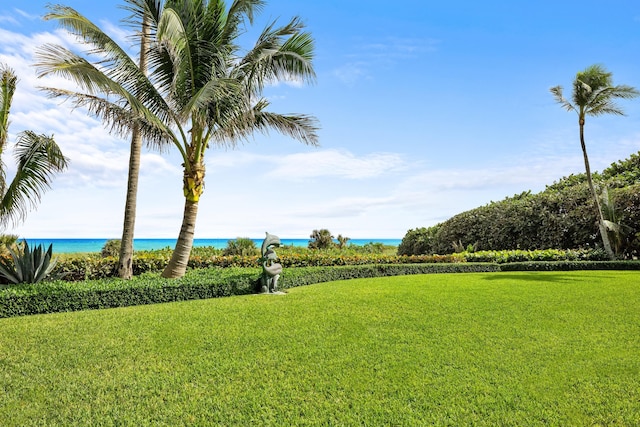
[512, 349]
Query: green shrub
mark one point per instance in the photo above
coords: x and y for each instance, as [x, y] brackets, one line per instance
[111, 248]
[57, 296]
[8, 241]
[321, 239]
[93, 266]
[419, 241]
[241, 246]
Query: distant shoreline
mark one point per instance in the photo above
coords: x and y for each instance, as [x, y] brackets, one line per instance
[84, 245]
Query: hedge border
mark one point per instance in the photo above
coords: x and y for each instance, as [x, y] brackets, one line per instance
[61, 296]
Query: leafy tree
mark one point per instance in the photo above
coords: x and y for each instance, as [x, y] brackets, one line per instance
[38, 156]
[594, 95]
[201, 89]
[322, 239]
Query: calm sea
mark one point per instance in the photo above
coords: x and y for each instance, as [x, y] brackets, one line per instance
[95, 245]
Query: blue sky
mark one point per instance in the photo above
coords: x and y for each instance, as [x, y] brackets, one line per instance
[427, 109]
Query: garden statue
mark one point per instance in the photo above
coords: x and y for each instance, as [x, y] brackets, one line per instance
[270, 268]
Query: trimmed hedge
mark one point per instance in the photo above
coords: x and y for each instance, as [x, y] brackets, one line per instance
[59, 296]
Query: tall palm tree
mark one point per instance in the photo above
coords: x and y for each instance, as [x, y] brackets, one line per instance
[201, 88]
[125, 260]
[38, 156]
[594, 95]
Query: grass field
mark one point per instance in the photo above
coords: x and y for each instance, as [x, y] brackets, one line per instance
[509, 349]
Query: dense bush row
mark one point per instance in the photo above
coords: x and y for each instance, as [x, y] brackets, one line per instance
[562, 217]
[87, 267]
[59, 295]
[150, 288]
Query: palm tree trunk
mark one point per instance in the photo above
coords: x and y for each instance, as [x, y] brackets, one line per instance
[179, 259]
[603, 229]
[125, 263]
[193, 186]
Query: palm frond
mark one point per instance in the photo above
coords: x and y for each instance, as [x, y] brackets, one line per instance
[173, 38]
[248, 8]
[602, 100]
[142, 11]
[39, 158]
[116, 61]
[214, 92]
[120, 119]
[60, 61]
[301, 127]
[560, 99]
[57, 60]
[281, 53]
[114, 72]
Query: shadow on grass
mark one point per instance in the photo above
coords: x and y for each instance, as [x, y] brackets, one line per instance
[544, 277]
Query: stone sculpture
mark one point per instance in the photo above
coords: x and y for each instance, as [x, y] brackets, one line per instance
[271, 269]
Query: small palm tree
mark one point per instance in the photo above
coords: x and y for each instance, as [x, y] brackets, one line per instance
[594, 95]
[38, 156]
[201, 88]
[322, 239]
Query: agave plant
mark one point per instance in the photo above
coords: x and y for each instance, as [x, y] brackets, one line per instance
[27, 266]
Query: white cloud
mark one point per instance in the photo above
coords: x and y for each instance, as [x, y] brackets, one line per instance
[398, 48]
[336, 163]
[314, 164]
[369, 55]
[9, 19]
[352, 72]
[27, 15]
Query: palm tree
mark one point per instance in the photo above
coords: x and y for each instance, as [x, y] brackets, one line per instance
[322, 239]
[201, 88]
[125, 259]
[594, 95]
[38, 156]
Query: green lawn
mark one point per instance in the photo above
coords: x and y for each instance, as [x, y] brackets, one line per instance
[512, 349]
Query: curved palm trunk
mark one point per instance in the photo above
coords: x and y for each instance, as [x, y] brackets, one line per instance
[603, 229]
[193, 187]
[125, 263]
[180, 258]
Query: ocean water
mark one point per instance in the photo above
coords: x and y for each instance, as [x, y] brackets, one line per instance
[95, 245]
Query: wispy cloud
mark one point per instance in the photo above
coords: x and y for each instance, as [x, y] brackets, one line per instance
[337, 163]
[352, 73]
[367, 55]
[27, 15]
[340, 164]
[8, 19]
[397, 48]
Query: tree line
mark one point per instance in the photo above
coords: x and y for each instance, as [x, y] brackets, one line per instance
[563, 216]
